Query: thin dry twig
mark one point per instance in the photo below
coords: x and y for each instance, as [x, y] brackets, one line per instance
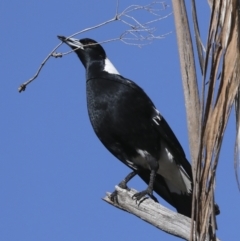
[142, 32]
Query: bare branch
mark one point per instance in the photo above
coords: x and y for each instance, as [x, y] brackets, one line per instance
[153, 213]
[143, 32]
[23, 86]
[117, 7]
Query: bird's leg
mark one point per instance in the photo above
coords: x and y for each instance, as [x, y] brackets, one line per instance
[153, 164]
[123, 185]
[149, 190]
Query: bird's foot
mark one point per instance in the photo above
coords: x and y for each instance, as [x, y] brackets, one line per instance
[138, 196]
[113, 196]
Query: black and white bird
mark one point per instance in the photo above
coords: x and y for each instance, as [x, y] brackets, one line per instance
[132, 129]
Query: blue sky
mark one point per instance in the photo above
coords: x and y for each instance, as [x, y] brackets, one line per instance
[54, 171]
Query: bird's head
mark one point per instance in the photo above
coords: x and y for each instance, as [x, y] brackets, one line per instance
[87, 49]
[91, 54]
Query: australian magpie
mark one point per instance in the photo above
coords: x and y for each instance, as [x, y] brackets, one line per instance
[129, 125]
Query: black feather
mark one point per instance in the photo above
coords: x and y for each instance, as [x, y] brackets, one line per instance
[130, 127]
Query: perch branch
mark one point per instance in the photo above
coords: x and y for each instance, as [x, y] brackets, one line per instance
[153, 213]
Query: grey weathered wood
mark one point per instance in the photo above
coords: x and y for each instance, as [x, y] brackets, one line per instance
[153, 213]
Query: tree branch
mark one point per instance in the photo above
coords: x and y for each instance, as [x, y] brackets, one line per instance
[153, 213]
[143, 33]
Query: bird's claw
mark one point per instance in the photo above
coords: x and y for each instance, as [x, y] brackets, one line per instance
[139, 195]
[113, 196]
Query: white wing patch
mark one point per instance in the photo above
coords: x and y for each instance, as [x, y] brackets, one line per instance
[109, 67]
[140, 160]
[157, 118]
[142, 152]
[176, 178]
[131, 164]
[158, 113]
[186, 180]
[170, 156]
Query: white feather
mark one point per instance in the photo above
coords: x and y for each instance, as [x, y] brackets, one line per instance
[131, 164]
[109, 67]
[175, 176]
[177, 179]
[141, 159]
[156, 118]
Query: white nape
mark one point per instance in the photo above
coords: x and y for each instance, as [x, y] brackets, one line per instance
[109, 67]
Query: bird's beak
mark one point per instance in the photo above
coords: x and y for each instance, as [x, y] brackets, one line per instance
[72, 42]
